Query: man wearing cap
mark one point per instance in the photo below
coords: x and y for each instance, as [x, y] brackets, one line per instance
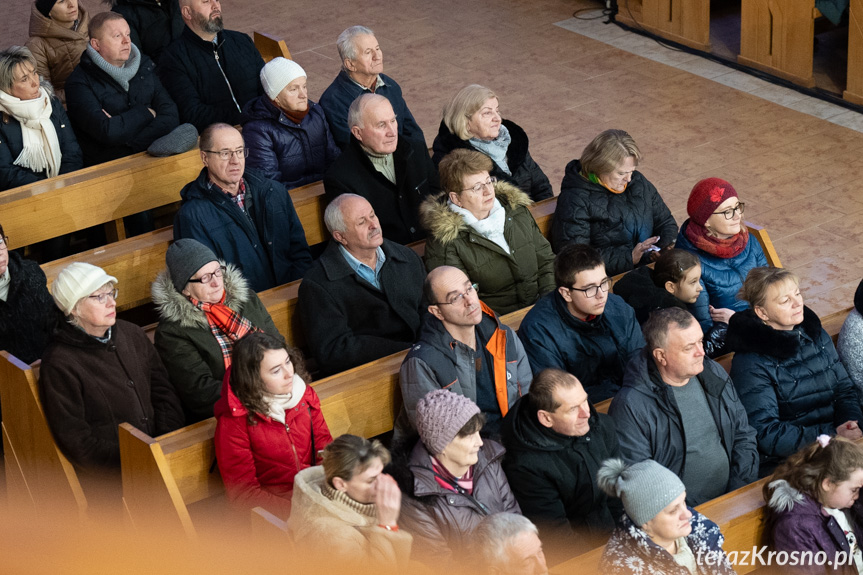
[210, 72]
[362, 299]
[362, 73]
[555, 443]
[286, 133]
[245, 218]
[99, 372]
[679, 408]
[462, 347]
[394, 174]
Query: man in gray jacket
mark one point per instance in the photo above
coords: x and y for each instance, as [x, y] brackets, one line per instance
[465, 348]
[680, 409]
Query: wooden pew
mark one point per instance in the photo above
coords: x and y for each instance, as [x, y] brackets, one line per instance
[854, 84]
[270, 47]
[686, 22]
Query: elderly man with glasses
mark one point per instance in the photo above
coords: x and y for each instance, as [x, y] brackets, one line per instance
[246, 219]
[581, 327]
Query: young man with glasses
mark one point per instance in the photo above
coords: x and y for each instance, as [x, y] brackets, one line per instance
[462, 347]
[245, 218]
[582, 328]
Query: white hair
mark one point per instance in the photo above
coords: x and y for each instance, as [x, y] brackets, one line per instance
[334, 219]
[495, 533]
[345, 43]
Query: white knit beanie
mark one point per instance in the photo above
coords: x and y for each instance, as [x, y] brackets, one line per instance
[76, 281]
[278, 73]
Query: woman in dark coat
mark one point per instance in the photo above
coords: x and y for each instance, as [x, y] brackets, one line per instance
[153, 23]
[46, 145]
[786, 369]
[606, 203]
[472, 120]
[287, 134]
[485, 229]
[197, 298]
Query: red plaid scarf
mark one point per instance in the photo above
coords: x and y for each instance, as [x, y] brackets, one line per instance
[227, 325]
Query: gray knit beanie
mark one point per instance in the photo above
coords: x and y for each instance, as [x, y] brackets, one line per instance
[179, 140]
[646, 488]
[184, 258]
[440, 416]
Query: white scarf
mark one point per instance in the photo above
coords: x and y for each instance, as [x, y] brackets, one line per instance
[41, 145]
[279, 404]
[491, 228]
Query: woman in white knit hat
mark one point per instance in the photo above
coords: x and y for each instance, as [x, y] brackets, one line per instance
[99, 372]
[286, 133]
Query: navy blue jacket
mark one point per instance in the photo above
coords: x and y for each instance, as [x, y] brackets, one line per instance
[195, 72]
[153, 26]
[791, 383]
[338, 96]
[723, 277]
[267, 242]
[290, 153]
[131, 127]
[11, 144]
[594, 351]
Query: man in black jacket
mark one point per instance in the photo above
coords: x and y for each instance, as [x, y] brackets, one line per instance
[210, 72]
[555, 443]
[394, 174]
[680, 409]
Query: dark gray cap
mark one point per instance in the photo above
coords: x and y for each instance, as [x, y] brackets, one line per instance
[184, 258]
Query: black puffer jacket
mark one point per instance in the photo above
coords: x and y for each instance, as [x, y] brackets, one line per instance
[588, 213]
[526, 173]
[154, 25]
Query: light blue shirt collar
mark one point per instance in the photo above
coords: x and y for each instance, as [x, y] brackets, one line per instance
[364, 271]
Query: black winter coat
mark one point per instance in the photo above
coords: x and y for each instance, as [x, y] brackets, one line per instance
[588, 213]
[791, 383]
[649, 424]
[29, 314]
[526, 173]
[11, 144]
[153, 27]
[195, 72]
[131, 127]
[396, 205]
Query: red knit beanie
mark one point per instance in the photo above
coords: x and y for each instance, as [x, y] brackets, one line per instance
[706, 196]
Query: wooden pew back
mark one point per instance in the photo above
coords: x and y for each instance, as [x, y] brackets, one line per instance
[270, 47]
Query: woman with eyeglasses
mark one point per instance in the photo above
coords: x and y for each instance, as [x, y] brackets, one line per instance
[98, 372]
[204, 308]
[716, 233]
[605, 202]
[483, 227]
[472, 121]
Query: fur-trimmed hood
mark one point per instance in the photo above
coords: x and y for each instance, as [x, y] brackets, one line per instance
[747, 333]
[783, 497]
[444, 225]
[176, 308]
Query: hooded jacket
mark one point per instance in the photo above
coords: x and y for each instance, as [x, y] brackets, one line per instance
[650, 426]
[396, 205]
[553, 476]
[88, 388]
[153, 25]
[507, 281]
[189, 349]
[131, 127]
[211, 83]
[723, 277]
[594, 351]
[266, 243]
[526, 173]
[850, 342]
[588, 213]
[791, 383]
[258, 461]
[290, 153]
[57, 49]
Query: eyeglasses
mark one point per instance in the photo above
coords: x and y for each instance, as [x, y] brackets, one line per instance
[479, 186]
[228, 154]
[459, 297]
[205, 279]
[593, 290]
[103, 297]
[729, 213]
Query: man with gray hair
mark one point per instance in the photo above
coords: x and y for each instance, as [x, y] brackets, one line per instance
[394, 174]
[362, 67]
[679, 408]
[508, 544]
[362, 299]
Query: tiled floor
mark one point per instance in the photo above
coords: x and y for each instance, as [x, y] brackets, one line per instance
[792, 159]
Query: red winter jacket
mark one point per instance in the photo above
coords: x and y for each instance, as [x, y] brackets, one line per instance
[258, 462]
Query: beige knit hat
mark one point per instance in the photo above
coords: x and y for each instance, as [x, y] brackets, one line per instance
[76, 281]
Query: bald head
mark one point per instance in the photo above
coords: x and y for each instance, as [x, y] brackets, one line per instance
[203, 17]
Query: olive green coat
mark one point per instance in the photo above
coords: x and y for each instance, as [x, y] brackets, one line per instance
[507, 282]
